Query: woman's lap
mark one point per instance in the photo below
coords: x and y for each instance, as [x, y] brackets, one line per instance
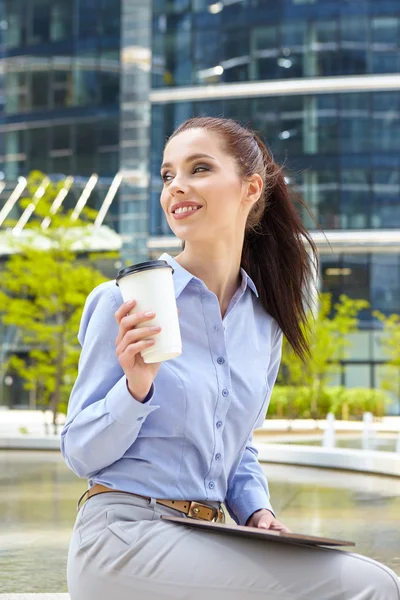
[120, 549]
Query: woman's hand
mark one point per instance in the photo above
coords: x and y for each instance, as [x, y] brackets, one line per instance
[130, 341]
[264, 519]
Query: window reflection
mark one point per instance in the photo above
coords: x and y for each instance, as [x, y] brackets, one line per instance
[268, 46]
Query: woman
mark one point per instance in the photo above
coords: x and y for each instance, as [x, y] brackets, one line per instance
[176, 438]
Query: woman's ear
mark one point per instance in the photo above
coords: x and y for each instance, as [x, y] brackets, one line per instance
[254, 188]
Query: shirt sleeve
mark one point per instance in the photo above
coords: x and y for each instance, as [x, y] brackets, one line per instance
[103, 419]
[248, 489]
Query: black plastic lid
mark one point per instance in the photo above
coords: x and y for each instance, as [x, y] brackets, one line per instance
[144, 266]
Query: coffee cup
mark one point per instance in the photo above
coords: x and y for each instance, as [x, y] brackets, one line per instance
[151, 285]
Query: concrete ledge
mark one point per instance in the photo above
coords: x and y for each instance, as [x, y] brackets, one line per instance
[367, 461]
[30, 442]
[34, 596]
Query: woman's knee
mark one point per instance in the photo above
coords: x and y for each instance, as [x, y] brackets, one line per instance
[367, 579]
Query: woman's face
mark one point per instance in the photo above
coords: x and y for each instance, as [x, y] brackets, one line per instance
[209, 183]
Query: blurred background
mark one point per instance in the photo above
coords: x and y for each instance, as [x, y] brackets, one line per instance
[89, 92]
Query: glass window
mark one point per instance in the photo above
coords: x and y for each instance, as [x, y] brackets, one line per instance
[61, 23]
[207, 51]
[291, 125]
[110, 18]
[356, 278]
[16, 16]
[60, 165]
[354, 123]
[293, 49]
[40, 89]
[61, 137]
[355, 194]
[86, 147]
[385, 283]
[326, 123]
[41, 22]
[17, 92]
[360, 347]
[88, 19]
[108, 163]
[109, 77]
[320, 190]
[385, 33]
[264, 47]
[108, 132]
[331, 274]
[322, 59]
[235, 55]
[178, 49]
[354, 44]
[38, 144]
[357, 376]
[386, 198]
[14, 142]
[386, 121]
[86, 79]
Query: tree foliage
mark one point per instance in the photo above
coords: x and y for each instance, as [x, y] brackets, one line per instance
[44, 286]
[328, 336]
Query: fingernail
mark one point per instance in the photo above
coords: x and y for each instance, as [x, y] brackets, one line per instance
[149, 313]
[130, 302]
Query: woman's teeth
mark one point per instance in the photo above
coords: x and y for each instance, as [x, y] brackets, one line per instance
[185, 209]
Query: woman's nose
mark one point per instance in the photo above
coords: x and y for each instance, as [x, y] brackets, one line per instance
[178, 185]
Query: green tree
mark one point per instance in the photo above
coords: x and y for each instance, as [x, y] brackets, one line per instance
[391, 347]
[328, 336]
[44, 286]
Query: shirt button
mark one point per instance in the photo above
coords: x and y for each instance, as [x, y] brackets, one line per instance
[215, 329]
[217, 456]
[225, 393]
[220, 360]
[211, 485]
[219, 424]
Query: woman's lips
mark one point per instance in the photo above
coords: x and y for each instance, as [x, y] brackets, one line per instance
[184, 215]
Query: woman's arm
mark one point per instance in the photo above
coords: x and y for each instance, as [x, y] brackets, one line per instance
[248, 490]
[103, 418]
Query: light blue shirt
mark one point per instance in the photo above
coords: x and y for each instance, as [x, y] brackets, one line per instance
[192, 438]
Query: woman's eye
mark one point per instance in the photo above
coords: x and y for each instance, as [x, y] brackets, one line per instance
[167, 176]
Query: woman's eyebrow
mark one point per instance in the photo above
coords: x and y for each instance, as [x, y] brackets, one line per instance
[188, 159]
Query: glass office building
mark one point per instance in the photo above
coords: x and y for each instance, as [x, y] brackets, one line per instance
[74, 81]
[319, 79]
[76, 95]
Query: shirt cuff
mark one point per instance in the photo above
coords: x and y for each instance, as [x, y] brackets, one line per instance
[123, 407]
[247, 504]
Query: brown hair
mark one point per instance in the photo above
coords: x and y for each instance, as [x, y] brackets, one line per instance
[274, 250]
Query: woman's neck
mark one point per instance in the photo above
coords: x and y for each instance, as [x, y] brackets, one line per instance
[219, 272]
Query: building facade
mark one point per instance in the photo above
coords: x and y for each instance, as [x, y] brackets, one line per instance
[319, 79]
[74, 80]
[93, 88]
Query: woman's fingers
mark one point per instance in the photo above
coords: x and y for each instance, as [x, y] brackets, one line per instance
[133, 336]
[127, 321]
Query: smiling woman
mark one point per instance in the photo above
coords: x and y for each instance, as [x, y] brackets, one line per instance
[175, 438]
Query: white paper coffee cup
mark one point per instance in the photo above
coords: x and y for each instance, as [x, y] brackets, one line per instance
[152, 286]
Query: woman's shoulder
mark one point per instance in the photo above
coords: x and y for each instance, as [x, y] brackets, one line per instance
[106, 293]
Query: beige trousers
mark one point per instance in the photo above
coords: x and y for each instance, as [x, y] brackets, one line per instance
[121, 550]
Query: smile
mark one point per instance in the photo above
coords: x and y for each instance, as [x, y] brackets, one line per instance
[187, 211]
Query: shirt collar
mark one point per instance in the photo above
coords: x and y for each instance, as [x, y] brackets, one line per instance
[182, 277]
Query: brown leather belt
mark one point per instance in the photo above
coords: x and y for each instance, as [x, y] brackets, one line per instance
[195, 510]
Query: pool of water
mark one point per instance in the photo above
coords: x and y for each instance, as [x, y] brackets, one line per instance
[38, 494]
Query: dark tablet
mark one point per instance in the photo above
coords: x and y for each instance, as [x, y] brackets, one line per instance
[260, 534]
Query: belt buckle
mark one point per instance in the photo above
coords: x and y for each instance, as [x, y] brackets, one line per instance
[196, 507]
